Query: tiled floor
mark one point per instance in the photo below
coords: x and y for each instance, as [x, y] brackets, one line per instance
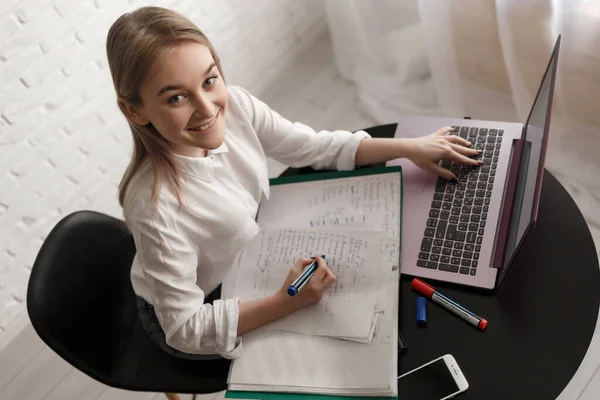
[311, 92]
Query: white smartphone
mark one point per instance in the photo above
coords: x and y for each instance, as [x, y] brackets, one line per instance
[439, 379]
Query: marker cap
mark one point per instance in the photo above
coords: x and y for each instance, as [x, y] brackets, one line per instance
[482, 324]
[421, 310]
[421, 287]
[292, 291]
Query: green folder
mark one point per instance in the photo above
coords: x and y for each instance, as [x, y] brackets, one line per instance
[318, 176]
[236, 394]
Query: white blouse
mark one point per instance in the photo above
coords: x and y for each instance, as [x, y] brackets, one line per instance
[185, 253]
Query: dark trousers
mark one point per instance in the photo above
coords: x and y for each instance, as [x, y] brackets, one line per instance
[152, 326]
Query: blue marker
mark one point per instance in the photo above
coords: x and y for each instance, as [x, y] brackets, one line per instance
[303, 278]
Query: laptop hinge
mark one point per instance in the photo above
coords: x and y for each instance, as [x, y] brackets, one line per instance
[511, 184]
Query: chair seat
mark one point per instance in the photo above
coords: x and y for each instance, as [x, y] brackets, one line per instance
[143, 364]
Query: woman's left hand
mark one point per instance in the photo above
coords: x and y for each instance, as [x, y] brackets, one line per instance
[426, 151]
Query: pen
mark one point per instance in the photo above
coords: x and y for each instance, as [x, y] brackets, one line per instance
[303, 278]
[429, 292]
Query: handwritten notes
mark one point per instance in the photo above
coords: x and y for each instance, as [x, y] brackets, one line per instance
[347, 308]
[371, 202]
[338, 218]
[353, 222]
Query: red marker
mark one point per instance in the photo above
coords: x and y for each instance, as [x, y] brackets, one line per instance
[429, 292]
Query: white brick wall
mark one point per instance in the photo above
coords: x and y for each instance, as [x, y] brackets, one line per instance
[63, 142]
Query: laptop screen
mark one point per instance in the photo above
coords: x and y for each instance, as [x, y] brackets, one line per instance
[531, 169]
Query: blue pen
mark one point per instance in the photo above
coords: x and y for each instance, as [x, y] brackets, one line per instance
[303, 278]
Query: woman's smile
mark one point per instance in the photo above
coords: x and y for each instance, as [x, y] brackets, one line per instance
[205, 128]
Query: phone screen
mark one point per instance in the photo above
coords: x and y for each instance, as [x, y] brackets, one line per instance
[432, 382]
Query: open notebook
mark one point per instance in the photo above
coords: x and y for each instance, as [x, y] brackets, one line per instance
[345, 345]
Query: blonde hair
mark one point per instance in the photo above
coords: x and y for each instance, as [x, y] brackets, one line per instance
[134, 42]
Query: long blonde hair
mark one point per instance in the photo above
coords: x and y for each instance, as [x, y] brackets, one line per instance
[134, 43]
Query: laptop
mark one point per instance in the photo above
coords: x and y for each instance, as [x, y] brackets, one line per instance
[469, 232]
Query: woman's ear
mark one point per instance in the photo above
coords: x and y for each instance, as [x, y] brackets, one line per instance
[132, 112]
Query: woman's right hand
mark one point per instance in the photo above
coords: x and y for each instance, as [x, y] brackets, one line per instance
[255, 313]
[426, 151]
[313, 290]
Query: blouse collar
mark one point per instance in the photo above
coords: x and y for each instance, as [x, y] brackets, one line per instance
[201, 167]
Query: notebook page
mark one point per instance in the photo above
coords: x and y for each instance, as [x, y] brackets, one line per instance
[347, 309]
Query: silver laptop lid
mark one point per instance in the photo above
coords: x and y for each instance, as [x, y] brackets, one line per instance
[531, 166]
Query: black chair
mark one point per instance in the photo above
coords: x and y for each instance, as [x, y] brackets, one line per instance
[81, 304]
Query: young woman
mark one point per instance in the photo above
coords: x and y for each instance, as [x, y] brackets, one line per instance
[198, 171]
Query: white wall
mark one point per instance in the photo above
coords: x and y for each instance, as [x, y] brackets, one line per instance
[63, 142]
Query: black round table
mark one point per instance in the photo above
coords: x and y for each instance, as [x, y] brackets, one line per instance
[540, 322]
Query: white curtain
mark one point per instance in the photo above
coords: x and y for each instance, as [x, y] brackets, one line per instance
[385, 49]
[484, 59]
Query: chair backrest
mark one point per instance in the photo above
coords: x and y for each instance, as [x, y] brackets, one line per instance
[80, 291]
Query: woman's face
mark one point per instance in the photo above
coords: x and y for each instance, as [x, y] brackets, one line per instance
[185, 99]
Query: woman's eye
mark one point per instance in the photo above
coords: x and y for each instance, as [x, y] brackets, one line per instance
[210, 81]
[176, 99]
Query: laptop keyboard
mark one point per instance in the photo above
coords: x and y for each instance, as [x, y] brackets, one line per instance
[458, 214]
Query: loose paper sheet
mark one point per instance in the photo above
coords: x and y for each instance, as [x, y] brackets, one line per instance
[348, 308]
[370, 202]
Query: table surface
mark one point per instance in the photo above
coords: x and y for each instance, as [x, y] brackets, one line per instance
[540, 322]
